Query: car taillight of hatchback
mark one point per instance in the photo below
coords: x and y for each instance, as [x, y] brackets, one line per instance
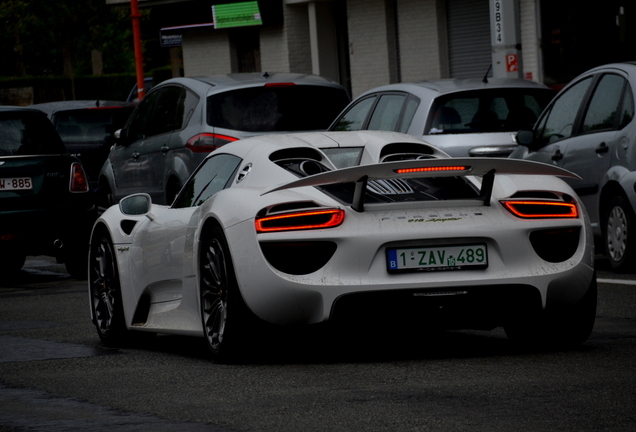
[79, 181]
[208, 142]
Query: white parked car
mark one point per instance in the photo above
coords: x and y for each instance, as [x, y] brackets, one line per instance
[308, 228]
[463, 117]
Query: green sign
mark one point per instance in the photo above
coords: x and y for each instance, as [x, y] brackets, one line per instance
[236, 15]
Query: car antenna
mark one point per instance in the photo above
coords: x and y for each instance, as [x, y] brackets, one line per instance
[485, 80]
[265, 75]
[97, 103]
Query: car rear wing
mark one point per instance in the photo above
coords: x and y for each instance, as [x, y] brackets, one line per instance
[451, 167]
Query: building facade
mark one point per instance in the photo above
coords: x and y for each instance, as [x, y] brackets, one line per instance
[367, 43]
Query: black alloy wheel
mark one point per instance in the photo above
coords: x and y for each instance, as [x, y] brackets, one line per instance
[105, 291]
[618, 234]
[223, 312]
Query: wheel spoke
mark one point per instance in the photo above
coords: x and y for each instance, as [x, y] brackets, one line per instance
[103, 285]
[214, 293]
[617, 233]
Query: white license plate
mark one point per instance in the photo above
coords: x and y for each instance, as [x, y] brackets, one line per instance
[17, 183]
[436, 258]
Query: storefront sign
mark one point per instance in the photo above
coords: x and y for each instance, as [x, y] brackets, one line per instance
[236, 15]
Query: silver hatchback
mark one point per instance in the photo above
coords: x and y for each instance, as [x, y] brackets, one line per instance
[463, 117]
[589, 129]
[181, 120]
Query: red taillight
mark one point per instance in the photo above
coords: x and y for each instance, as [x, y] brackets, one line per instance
[280, 84]
[79, 181]
[431, 169]
[537, 209]
[208, 142]
[300, 220]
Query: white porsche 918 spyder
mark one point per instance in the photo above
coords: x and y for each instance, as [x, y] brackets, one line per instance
[339, 226]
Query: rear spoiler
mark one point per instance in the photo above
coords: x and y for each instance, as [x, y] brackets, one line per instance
[451, 167]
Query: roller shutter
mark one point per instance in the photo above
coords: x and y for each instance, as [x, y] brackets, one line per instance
[469, 49]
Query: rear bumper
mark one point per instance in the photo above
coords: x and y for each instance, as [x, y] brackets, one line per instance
[52, 232]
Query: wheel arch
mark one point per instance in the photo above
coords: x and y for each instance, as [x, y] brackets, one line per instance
[610, 190]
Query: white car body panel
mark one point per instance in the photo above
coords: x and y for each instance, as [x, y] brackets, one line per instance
[158, 259]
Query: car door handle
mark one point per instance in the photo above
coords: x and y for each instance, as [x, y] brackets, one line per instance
[135, 155]
[557, 155]
[602, 148]
[164, 149]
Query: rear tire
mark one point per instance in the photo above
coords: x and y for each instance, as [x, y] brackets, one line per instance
[77, 264]
[12, 262]
[223, 313]
[619, 235]
[105, 291]
[565, 327]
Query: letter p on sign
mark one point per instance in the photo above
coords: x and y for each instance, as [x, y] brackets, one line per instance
[511, 63]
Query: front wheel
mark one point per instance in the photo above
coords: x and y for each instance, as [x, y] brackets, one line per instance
[224, 314]
[618, 234]
[105, 291]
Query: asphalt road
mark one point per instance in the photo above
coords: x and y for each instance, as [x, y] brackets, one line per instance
[56, 376]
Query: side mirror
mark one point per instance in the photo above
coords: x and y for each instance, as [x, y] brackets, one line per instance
[525, 138]
[136, 205]
[121, 136]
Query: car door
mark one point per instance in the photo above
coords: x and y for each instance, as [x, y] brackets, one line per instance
[154, 149]
[166, 243]
[589, 153]
[556, 127]
[124, 157]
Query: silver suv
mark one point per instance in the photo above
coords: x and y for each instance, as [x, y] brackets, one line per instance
[181, 120]
[589, 129]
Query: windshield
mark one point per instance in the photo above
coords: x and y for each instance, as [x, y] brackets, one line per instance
[344, 157]
[28, 133]
[487, 110]
[276, 109]
[94, 125]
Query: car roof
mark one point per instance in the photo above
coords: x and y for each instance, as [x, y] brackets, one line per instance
[10, 108]
[444, 86]
[622, 66]
[52, 107]
[246, 79]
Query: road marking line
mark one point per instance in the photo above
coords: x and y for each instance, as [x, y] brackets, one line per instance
[617, 281]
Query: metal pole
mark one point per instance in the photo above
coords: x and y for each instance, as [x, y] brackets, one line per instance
[139, 65]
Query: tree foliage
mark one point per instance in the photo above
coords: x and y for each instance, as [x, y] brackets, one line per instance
[45, 38]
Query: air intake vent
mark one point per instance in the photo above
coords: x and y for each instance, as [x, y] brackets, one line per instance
[389, 187]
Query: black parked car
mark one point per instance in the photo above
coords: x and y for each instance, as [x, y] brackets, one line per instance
[86, 128]
[46, 204]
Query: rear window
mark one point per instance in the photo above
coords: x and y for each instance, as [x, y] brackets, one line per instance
[28, 133]
[94, 125]
[491, 110]
[276, 109]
